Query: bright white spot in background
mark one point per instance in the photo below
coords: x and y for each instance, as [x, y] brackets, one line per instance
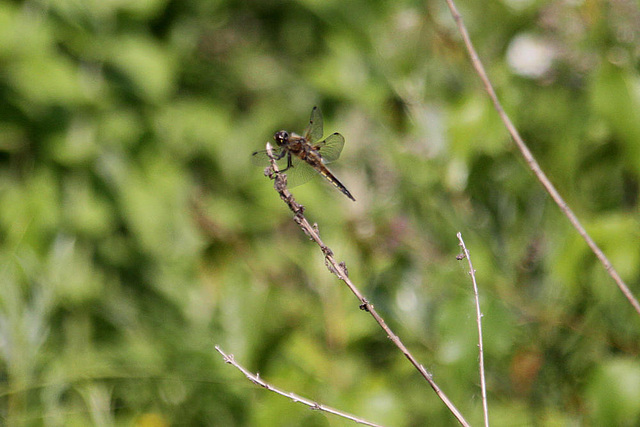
[408, 20]
[406, 299]
[451, 351]
[457, 174]
[429, 129]
[530, 56]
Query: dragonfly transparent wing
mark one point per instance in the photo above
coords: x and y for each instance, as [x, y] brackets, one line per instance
[331, 147]
[314, 130]
[299, 173]
[260, 158]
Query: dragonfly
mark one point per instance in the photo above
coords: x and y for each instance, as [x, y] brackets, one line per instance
[306, 156]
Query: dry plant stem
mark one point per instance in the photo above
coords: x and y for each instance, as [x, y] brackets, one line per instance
[340, 270]
[533, 164]
[483, 384]
[255, 378]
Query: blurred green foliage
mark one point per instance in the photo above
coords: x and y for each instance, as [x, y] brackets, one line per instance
[135, 234]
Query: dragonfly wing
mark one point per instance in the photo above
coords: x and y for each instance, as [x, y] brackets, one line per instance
[314, 130]
[331, 147]
[261, 158]
[299, 172]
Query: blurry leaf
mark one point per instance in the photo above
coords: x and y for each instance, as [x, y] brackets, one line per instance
[154, 200]
[31, 210]
[476, 128]
[73, 274]
[616, 237]
[12, 137]
[148, 67]
[187, 126]
[92, 11]
[141, 9]
[23, 35]
[86, 212]
[614, 392]
[120, 129]
[615, 96]
[78, 145]
[47, 80]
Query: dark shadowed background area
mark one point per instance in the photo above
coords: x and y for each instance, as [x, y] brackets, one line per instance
[135, 234]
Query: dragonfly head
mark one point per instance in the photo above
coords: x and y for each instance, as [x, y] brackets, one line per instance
[281, 137]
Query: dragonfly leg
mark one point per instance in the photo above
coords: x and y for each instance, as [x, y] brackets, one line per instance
[288, 161]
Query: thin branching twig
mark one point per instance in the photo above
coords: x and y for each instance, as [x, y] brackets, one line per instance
[340, 270]
[255, 378]
[533, 164]
[479, 315]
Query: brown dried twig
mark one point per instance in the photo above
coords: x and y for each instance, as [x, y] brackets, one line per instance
[255, 378]
[340, 270]
[479, 315]
[533, 164]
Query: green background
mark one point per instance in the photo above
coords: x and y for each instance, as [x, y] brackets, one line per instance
[135, 234]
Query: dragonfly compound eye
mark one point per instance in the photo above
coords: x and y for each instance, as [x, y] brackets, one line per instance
[281, 137]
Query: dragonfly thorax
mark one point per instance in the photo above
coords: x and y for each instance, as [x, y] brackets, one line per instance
[281, 137]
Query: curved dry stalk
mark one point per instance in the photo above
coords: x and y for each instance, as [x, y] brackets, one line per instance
[483, 384]
[340, 271]
[255, 378]
[533, 164]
